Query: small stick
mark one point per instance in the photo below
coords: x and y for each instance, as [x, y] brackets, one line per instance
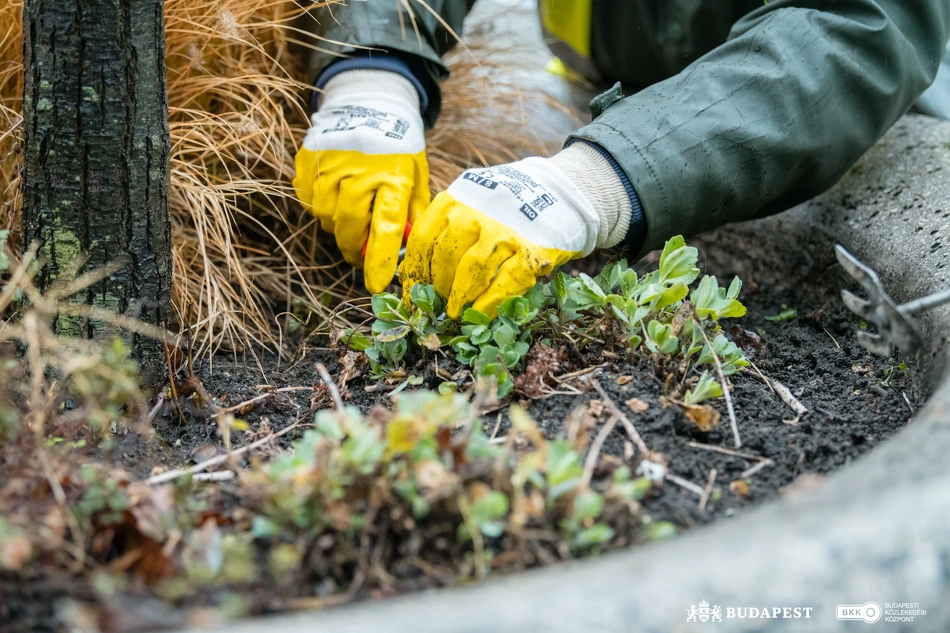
[223, 475]
[241, 405]
[155, 409]
[494, 431]
[598, 444]
[786, 395]
[768, 383]
[579, 372]
[214, 461]
[831, 337]
[725, 451]
[725, 387]
[682, 483]
[754, 469]
[627, 424]
[328, 381]
[907, 400]
[703, 500]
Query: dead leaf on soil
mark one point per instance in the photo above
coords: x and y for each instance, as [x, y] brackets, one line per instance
[637, 405]
[431, 342]
[14, 552]
[862, 369]
[739, 487]
[596, 408]
[703, 416]
[623, 380]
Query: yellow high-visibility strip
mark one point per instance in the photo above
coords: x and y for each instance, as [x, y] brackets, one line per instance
[569, 21]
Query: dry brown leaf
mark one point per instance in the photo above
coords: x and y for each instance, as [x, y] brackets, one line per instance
[623, 380]
[739, 487]
[14, 552]
[637, 405]
[596, 408]
[703, 416]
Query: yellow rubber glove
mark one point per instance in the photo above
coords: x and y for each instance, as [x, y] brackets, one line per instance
[362, 169]
[495, 231]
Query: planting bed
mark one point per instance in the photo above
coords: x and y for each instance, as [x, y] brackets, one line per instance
[854, 401]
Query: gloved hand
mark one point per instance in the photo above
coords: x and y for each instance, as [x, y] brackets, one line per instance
[496, 230]
[362, 169]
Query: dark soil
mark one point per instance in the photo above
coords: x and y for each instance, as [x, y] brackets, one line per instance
[854, 399]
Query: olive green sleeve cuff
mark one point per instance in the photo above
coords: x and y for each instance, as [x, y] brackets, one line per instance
[364, 28]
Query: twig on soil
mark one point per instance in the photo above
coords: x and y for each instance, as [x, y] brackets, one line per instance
[726, 451]
[494, 431]
[224, 475]
[832, 338]
[725, 387]
[768, 383]
[786, 395]
[158, 405]
[165, 477]
[682, 483]
[596, 446]
[907, 400]
[704, 499]
[328, 381]
[627, 424]
[579, 372]
[237, 407]
[754, 469]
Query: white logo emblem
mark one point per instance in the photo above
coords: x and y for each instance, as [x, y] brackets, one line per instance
[870, 612]
[704, 613]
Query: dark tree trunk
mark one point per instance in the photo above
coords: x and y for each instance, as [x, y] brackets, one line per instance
[97, 149]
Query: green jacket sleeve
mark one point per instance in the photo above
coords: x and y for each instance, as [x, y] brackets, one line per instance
[420, 31]
[774, 116]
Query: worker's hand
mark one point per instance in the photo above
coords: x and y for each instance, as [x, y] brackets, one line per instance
[495, 231]
[362, 170]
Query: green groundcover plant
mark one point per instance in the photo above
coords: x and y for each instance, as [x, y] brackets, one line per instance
[654, 313]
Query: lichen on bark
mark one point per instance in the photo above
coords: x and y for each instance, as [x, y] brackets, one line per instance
[96, 169]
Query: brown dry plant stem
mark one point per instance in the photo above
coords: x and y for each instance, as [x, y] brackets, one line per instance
[725, 388]
[246, 259]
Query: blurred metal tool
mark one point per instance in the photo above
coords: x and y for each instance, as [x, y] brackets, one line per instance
[894, 324]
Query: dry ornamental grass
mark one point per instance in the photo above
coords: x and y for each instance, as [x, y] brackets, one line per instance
[247, 260]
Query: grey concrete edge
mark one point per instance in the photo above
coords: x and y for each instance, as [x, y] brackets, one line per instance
[877, 530]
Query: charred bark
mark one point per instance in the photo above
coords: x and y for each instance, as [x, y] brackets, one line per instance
[96, 169]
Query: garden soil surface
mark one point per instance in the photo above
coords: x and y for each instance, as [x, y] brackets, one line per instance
[854, 400]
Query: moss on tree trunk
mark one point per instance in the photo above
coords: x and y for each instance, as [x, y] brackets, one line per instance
[97, 153]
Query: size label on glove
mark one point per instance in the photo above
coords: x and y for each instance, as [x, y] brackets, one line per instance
[353, 117]
[533, 199]
[533, 196]
[377, 128]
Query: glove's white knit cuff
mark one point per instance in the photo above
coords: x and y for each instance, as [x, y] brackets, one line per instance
[347, 88]
[596, 179]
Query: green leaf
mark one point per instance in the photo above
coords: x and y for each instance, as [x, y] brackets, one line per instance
[448, 387]
[706, 388]
[394, 334]
[787, 314]
[474, 317]
[263, 527]
[597, 534]
[678, 262]
[386, 307]
[588, 505]
[713, 302]
[357, 340]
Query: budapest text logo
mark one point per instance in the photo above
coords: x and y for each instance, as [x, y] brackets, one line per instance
[706, 613]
